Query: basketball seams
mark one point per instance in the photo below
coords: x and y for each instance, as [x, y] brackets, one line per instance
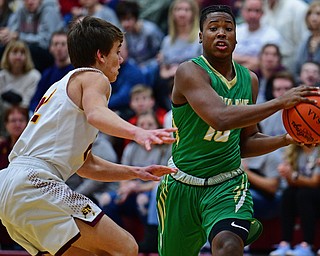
[305, 121]
[302, 121]
[287, 124]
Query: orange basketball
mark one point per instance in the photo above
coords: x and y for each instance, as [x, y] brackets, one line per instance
[302, 122]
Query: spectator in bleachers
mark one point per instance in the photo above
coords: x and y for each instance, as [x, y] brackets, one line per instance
[309, 47]
[181, 44]
[65, 9]
[18, 77]
[262, 171]
[288, 17]
[15, 121]
[62, 65]
[111, 3]
[266, 183]
[5, 13]
[34, 23]
[52, 3]
[300, 199]
[270, 62]
[143, 38]
[149, 244]
[132, 197]
[142, 101]
[252, 35]
[96, 9]
[309, 74]
[129, 75]
[155, 11]
[102, 147]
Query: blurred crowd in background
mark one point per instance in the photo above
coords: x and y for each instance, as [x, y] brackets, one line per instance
[277, 39]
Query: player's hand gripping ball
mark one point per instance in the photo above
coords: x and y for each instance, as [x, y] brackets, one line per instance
[302, 122]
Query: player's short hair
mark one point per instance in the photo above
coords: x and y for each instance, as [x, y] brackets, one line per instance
[215, 8]
[87, 36]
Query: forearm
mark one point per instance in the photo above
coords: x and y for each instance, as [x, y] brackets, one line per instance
[96, 168]
[110, 123]
[239, 116]
[260, 144]
[303, 181]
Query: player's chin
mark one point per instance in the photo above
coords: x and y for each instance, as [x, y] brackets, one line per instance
[113, 78]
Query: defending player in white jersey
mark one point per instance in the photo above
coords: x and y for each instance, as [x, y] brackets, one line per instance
[39, 210]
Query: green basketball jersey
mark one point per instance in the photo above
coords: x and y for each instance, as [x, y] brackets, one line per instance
[199, 149]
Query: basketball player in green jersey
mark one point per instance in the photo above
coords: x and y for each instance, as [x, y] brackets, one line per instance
[212, 107]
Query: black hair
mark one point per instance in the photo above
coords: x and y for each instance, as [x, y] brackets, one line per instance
[215, 8]
[311, 62]
[127, 8]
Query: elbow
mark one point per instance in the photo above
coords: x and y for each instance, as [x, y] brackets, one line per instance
[221, 124]
[221, 127]
[223, 121]
[92, 117]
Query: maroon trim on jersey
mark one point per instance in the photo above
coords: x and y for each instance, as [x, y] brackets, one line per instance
[64, 248]
[96, 220]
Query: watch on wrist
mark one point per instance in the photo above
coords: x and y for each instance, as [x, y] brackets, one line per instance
[294, 176]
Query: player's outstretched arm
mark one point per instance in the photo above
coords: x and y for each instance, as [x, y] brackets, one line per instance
[96, 168]
[110, 123]
[254, 143]
[94, 104]
[158, 136]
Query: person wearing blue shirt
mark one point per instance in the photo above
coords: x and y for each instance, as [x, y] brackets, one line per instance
[62, 65]
[129, 75]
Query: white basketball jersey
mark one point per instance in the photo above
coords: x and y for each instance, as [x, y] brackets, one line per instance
[58, 132]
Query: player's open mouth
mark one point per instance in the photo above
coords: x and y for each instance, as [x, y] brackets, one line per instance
[221, 45]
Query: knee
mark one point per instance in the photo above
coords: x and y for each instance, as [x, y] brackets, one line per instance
[130, 247]
[227, 243]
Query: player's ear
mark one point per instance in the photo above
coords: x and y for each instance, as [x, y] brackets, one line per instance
[200, 37]
[100, 56]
